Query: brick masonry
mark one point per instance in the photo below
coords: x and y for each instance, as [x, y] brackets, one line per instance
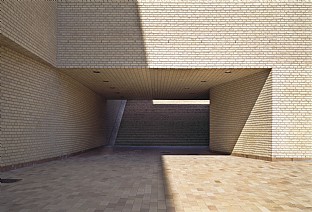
[33, 25]
[210, 34]
[241, 116]
[175, 34]
[45, 113]
[148, 124]
[100, 34]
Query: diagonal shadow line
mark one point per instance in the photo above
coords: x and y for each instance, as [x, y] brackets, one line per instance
[233, 122]
[251, 109]
[170, 194]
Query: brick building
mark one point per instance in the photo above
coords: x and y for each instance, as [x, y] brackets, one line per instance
[67, 68]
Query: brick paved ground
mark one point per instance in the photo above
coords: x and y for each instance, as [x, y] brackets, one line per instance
[129, 179]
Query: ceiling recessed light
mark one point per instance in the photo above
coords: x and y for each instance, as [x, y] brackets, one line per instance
[228, 72]
[105, 81]
[203, 81]
[96, 72]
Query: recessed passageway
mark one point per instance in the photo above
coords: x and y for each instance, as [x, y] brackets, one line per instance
[158, 179]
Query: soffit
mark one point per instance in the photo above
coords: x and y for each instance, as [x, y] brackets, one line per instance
[155, 83]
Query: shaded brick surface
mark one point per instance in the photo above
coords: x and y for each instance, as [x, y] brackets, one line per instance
[33, 25]
[241, 116]
[148, 124]
[45, 113]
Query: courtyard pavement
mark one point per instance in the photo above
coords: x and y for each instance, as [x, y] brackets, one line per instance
[159, 179]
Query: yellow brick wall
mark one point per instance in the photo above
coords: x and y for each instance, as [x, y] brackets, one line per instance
[241, 116]
[205, 34]
[292, 109]
[45, 113]
[100, 34]
[32, 25]
[184, 34]
[147, 124]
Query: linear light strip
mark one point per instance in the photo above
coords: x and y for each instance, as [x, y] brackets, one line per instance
[181, 102]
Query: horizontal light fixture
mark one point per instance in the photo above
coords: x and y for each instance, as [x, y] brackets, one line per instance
[181, 102]
[96, 72]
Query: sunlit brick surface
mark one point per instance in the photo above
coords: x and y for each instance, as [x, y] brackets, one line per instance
[169, 179]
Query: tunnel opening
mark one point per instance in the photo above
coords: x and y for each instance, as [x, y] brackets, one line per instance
[164, 123]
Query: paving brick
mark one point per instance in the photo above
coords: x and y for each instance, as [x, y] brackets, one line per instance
[200, 182]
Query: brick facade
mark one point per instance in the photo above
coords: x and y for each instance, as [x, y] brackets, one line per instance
[218, 34]
[33, 25]
[241, 116]
[100, 34]
[274, 35]
[45, 113]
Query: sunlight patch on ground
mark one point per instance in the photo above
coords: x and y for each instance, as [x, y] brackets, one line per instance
[227, 183]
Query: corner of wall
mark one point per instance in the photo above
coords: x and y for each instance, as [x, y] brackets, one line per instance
[114, 113]
[241, 116]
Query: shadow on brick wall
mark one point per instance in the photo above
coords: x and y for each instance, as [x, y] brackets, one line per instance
[241, 116]
[109, 33]
[148, 124]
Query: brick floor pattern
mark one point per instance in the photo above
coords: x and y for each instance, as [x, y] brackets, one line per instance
[136, 179]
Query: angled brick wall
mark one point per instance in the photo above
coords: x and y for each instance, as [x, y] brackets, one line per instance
[113, 115]
[147, 124]
[45, 113]
[241, 116]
